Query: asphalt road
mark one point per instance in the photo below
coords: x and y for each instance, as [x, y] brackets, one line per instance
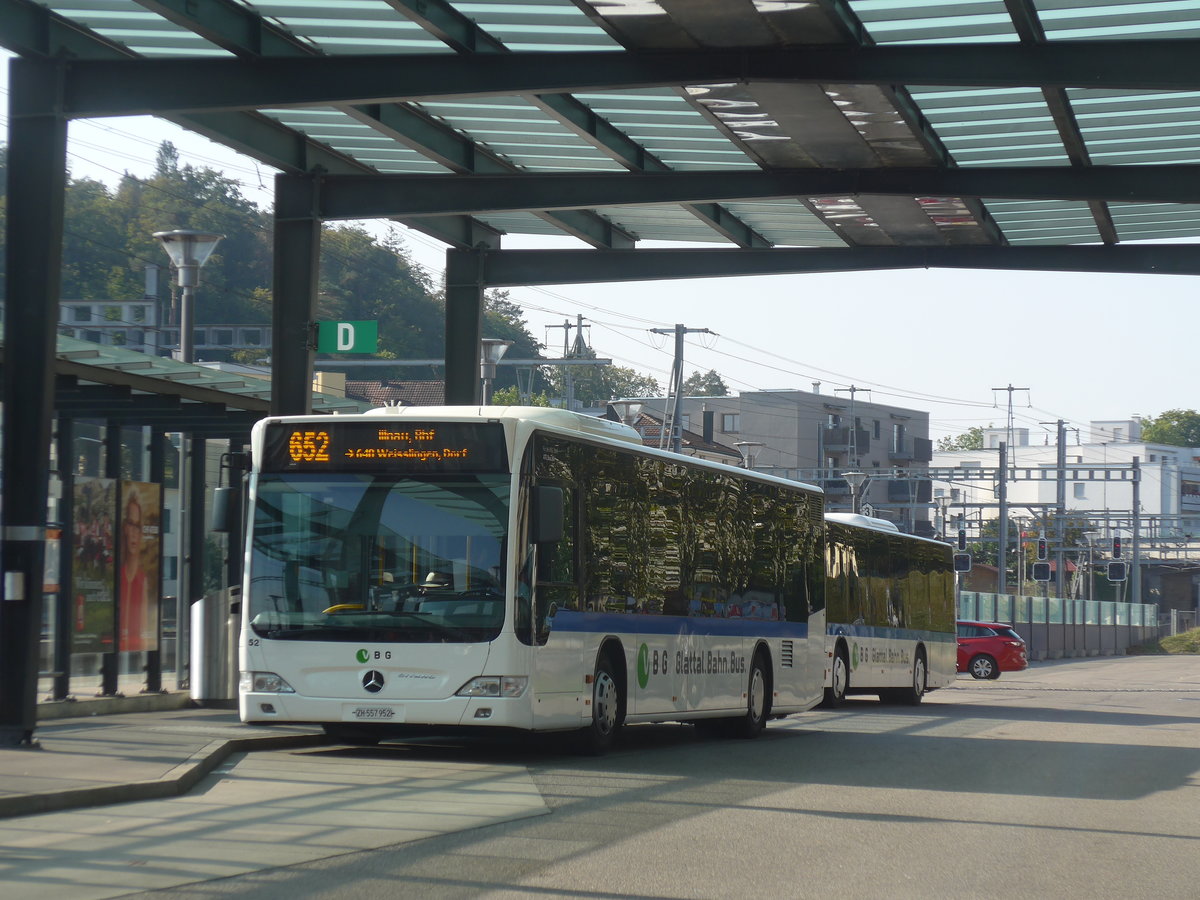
[1073, 779]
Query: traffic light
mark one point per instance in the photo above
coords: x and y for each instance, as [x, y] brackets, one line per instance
[1116, 571]
[1041, 571]
[1116, 554]
[962, 539]
[1043, 548]
[962, 562]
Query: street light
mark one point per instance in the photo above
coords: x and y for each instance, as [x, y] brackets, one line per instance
[628, 410]
[189, 250]
[856, 480]
[749, 451]
[492, 350]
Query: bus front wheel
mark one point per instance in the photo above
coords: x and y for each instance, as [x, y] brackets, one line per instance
[839, 680]
[597, 738]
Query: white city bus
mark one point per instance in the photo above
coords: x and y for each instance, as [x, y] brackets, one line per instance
[890, 611]
[523, 568]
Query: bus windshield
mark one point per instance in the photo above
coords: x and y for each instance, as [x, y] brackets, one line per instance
[359, 557]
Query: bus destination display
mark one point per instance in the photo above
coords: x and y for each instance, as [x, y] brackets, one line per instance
[385, 447]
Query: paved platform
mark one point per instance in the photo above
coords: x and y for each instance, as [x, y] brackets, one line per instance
[123, 802]
[91, 753]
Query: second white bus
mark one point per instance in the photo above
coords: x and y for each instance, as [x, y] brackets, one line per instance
[890, 611]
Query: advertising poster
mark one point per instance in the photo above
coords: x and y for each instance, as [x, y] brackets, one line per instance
[92, 569]
[138, 584]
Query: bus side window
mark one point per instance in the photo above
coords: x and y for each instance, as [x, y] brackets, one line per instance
[557, 567]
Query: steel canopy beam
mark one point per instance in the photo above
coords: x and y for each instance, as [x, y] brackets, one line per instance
[369, 196]
[500, 268]
[97, 88]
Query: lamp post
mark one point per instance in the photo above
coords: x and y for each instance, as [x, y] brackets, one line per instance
[189, 250]
[855, 479]
[628, 410]
[749, 451]
[492, 350]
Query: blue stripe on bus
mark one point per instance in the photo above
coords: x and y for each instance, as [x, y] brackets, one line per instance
[570, 620]
[895, 634]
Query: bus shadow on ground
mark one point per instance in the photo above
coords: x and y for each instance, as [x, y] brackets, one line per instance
[892, 757]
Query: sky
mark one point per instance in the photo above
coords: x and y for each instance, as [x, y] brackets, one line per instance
[1081, 347]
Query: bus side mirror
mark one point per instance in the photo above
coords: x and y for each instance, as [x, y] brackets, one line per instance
[222, 507]
[547, 514]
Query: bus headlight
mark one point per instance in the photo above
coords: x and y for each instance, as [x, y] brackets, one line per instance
[264, 683]
[494, 686]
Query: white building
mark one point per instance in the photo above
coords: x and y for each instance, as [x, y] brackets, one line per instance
[1099, 496]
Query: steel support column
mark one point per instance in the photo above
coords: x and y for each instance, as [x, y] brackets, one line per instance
[37, 148]
[297, 249]
[464, 326]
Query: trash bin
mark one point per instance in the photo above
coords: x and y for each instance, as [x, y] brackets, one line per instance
[216, 623]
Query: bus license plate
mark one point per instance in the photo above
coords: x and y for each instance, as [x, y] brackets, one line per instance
[372, 713]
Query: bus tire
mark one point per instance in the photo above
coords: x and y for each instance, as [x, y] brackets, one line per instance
[758, 699]
[912, 694]
[349, 734]
[835, 694]
[607, 706]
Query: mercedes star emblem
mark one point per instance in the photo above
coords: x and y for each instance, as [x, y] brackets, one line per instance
[373, 681]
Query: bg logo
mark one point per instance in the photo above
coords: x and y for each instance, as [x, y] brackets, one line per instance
[643, 673]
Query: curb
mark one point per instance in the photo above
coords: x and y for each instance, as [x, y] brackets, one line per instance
[178, 781]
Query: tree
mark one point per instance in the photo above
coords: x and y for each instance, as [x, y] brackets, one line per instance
[510, 396]
[710, 384]
[1177, 427]
[597, 385]
[971, 439]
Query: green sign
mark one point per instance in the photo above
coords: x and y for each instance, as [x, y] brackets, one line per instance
[347, 337]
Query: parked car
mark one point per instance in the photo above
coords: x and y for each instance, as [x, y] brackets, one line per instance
[985, 649]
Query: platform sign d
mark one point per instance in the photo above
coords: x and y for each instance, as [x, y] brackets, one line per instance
[347, 337]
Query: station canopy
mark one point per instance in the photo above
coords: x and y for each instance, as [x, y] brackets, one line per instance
[753, 123]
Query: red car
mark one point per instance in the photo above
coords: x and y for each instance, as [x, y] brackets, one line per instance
[985, 649]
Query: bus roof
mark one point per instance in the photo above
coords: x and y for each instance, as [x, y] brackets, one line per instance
[861, 521]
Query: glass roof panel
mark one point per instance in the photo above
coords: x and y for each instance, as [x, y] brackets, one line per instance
[354, 138]
[663, 223]
[668, 126]
[786, 223]
[350, 26]
[104, 356]
[1044, 221]
[993, 127]
[522, 133]
[543, 25]
[130, 23]
[519, 223]
[1155, 221]
[918, 21]
[1109, 19]
[1132, 127]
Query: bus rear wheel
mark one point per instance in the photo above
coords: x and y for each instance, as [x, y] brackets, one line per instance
[597, 738]
[758, 700]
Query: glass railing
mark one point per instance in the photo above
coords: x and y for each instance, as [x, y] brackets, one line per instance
[983, 607]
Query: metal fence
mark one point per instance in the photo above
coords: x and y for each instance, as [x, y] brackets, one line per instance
[1056, 627]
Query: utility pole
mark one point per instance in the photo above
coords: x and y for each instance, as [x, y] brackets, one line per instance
[1060, 504]
[852, 390]
[1002, 536]
[1009, 424]
[1135, 575]
[674, 417]
[571, 350]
